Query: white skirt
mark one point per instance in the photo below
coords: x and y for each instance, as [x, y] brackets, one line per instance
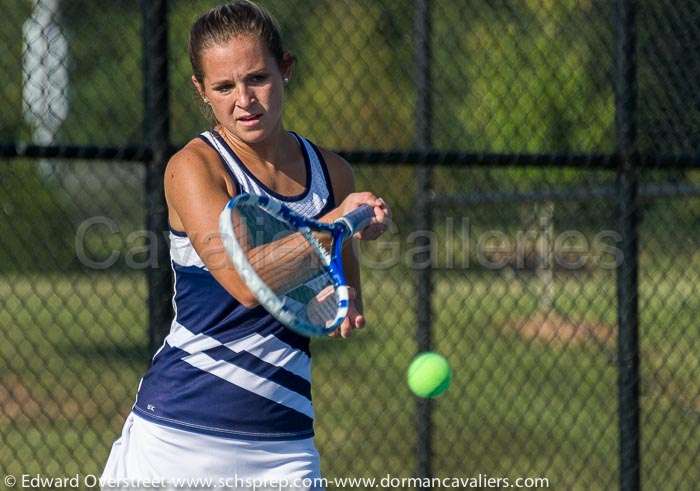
[151, 456]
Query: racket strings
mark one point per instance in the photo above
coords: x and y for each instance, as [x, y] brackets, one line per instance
[289, 262]
[323, 307]
[285, 262]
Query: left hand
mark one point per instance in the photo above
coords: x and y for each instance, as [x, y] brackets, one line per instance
[380, 222]
[354, 320]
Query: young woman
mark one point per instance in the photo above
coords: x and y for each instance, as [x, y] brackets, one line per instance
[228, 394]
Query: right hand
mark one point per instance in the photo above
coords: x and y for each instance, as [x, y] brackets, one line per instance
[354, 320]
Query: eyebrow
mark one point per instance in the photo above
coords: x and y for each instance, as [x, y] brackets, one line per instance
[252, 73]
[222, 82]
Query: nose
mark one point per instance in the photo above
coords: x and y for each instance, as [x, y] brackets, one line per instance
[246, 96]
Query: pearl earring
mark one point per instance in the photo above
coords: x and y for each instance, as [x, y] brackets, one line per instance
[285, 80]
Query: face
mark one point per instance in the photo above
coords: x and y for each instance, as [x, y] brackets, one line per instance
[244, 86]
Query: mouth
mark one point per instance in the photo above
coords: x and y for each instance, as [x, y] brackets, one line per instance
[250, 119]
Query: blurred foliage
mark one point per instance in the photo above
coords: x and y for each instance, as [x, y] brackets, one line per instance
[524, 76]
[669, 103]
[11, 122]
[66, 216]
[36, 232]
[507, 77]
[360, 91]
[519, 77]
[106, 91]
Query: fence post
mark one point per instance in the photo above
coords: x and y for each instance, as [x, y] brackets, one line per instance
[423, 141]
[627, 271]
[156, 127]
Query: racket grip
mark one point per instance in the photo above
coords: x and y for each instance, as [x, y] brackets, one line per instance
[357, 219]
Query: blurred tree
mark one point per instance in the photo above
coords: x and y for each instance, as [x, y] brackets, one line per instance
[105, 73]
[535, 76]
[524, 77]
[12, 126]
[353, 87]
[669, 66]
[36, 233]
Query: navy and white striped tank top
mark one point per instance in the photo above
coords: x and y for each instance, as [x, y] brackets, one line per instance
[226, 370]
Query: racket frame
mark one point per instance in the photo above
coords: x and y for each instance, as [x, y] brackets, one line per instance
[332, 262]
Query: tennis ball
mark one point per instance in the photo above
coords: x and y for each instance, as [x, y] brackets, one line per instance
[429, 375]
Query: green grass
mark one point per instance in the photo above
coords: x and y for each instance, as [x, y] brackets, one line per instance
[519, 405]
[75, 348]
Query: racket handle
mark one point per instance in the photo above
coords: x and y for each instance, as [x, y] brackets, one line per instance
[357, 219]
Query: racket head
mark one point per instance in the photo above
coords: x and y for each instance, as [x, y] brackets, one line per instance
[306, 289]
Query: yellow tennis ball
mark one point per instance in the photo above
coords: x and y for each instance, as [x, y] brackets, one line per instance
[429, 375]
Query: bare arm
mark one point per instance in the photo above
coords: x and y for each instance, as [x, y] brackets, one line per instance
[196, 191]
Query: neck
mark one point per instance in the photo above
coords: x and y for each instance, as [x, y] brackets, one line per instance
[271, 151]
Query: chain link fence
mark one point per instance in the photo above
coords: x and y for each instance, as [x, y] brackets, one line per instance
[519, 132]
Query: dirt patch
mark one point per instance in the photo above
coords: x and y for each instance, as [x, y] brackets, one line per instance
[18, 404]
[16, 401]
[558, 331]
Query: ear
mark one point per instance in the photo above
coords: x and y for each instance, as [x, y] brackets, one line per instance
[287, 65]
[198, 87]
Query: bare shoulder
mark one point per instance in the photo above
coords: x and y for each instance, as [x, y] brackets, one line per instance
[196, 189]
[195, 184]
[338, 167]
[340, 173]
[195, 157]
[194, 164]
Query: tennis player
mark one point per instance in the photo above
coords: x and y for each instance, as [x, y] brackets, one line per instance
[228, 395]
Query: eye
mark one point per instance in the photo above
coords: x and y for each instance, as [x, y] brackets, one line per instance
[259, 78]
[224, 89]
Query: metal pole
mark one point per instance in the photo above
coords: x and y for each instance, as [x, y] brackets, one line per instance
[423, 141]
[156, 127]
[627, 271]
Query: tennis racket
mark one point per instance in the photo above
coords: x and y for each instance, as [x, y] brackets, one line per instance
[292, 264]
